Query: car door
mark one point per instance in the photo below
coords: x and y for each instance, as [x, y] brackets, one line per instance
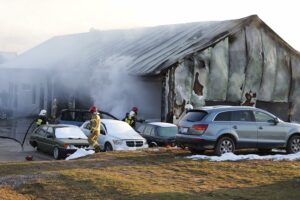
[49, 140]
[103, 137]
[86, 128]
[270, 134]
[243, 123]
[42, 144]
[147, 133]
[38, 137]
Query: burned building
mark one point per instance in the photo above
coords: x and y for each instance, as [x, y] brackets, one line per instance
[161, 68]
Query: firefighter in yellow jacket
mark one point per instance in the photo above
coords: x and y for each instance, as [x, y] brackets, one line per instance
[95, 128]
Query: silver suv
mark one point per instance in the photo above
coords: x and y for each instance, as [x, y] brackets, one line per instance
[226, 128]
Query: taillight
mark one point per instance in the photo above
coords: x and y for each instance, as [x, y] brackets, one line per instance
[66, 146]
[200, 127]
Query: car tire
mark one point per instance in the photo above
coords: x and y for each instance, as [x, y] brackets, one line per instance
[57, 154]
[108, 147]
[196, 151]
[224, 145]
[293, 145]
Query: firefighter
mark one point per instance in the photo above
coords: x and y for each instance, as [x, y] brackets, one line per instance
[42, 118]
[131, 117]
[95, 128]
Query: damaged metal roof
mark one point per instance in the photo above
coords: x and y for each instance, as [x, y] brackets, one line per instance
[144, 51]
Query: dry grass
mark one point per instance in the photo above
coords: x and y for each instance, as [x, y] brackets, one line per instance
[151, 175]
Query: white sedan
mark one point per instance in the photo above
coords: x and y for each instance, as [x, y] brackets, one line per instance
[116, 135]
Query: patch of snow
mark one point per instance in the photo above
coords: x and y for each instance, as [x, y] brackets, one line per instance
[73, 132]
[233, 157]
[80, 153]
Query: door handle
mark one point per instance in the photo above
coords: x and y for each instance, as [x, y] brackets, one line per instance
[260, 127]
[235, 127]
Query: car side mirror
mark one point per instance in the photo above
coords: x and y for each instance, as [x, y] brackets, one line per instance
[276, 121]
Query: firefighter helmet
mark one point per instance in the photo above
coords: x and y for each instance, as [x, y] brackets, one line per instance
[93, 109]
[43, 112]
[134, 109]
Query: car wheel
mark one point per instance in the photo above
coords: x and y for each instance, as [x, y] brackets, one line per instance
[108, 147]
[293, 145]
[57, 154]
[224, 145]
[196, 151]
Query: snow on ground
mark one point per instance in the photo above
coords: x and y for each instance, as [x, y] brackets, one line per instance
[80, 153]
[233, 157]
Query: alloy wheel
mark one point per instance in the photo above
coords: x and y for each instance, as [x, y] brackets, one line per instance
[295, 144]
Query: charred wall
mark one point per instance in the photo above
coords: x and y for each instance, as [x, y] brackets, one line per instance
[250, 62]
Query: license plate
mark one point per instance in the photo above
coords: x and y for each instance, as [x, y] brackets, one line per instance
[183, 130]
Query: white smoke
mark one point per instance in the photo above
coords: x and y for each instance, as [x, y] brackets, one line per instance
[115, 91]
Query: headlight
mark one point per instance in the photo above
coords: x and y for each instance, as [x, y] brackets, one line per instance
[71, 146]
[145, 142]
[117, 142]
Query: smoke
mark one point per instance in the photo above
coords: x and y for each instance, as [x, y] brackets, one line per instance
[115, 91]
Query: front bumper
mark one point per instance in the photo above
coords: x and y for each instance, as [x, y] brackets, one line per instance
[193, 142]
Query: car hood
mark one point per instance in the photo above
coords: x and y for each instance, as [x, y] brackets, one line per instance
[73, 141]
[130, 135]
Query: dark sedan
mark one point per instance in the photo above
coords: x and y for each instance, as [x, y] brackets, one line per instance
[58, 140]
[158, 133]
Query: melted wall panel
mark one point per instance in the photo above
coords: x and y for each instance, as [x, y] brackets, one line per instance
[237, 65]
[218, 72]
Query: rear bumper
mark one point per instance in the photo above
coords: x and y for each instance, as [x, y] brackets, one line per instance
[197, 143]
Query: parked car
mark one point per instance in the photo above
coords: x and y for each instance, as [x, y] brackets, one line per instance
[226, 128]
[58, 140]
[158, 133]
[116, 135]
[78, 117]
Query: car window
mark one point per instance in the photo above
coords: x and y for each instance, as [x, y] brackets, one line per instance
[102, 129]
[224, 116]
[50, 130]
[141, 128]
[152, 133]
[44, 128]
[40, 132]
[88, 126]
[167, 131]
[147, 130]
[263, 117]
[242, 115]
[194, 116]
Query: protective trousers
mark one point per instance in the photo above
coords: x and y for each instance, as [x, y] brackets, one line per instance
[93, 139]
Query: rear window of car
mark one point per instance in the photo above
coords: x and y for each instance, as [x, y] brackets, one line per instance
[167, 131]
[194, 116]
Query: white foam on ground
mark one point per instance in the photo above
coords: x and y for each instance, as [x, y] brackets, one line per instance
[80, 153]
[233, 157]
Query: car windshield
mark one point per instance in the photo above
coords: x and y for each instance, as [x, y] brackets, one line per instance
[69, 132]
[118, 127]
[167, 131]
